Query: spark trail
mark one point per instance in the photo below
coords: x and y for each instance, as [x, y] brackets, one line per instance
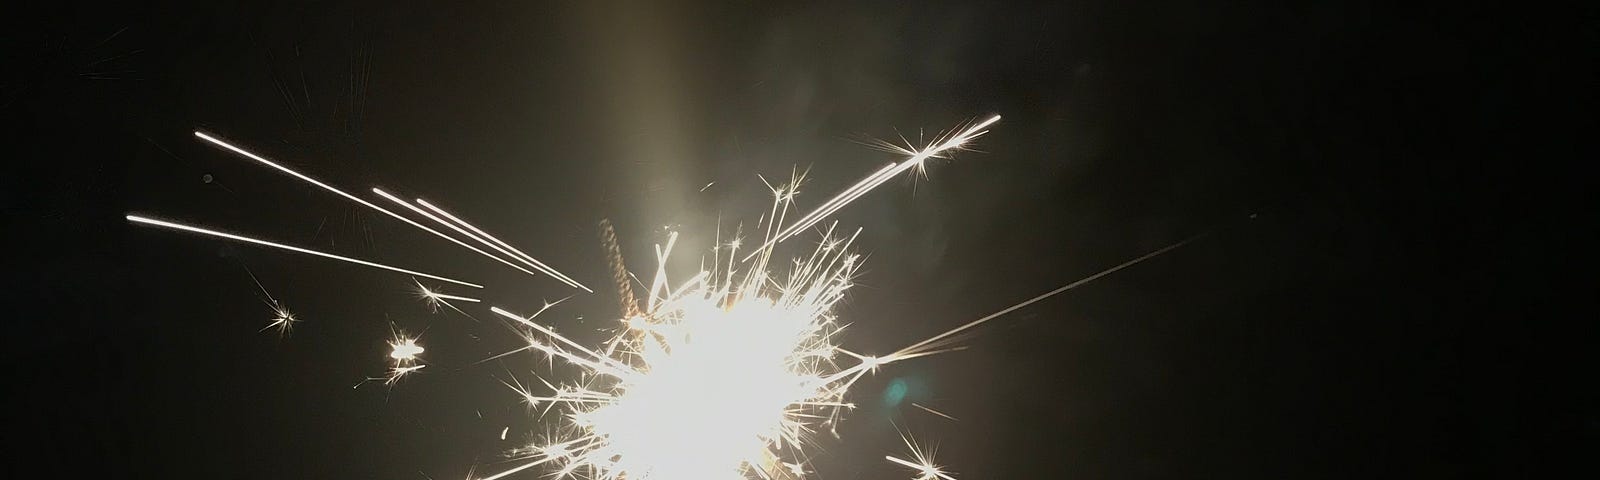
[880, 177]
[430, 216]
[241, 238]
[503, 246]
[936, 343]
[242, 152]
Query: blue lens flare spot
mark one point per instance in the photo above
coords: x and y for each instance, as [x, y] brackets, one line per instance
[895, 392]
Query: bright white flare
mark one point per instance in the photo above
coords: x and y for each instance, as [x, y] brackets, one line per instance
[404, 350]
[723, 377]
[282, 320]
[403, 358]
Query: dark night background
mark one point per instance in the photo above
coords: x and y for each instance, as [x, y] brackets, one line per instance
[1406, 301]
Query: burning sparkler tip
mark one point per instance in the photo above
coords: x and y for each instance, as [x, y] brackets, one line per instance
[405, 350]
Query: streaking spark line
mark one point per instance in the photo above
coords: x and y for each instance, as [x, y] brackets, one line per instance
[214, 233]
[353, 198]
[503, 246]
[429, 216]
[882, 176]
[926, 469]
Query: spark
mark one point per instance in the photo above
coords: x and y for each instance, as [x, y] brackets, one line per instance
[397, 372]
[888, 172]
[214, 233]
[405, 350]
[342, 193]
[404, 357]
[281, 320]
[436, 298]
[432, 295]
[926, 469]
[430, 216]
[445, 296]
[514, 251]
[933, 345]
[935, 412]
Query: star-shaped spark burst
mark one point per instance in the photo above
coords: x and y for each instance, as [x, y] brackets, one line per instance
[282, 320]
[922, 463]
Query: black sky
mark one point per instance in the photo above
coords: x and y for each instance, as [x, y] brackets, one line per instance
[1390, 285]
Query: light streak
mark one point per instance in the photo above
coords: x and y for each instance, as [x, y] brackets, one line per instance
[214, 233]
[353, 198]
[929, 346]
[926, 469]
[880, 177]
[419, 211]
[514, 251]
[443, 296]
[935, 412]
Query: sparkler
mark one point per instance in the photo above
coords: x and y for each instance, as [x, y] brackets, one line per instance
[725, 375]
